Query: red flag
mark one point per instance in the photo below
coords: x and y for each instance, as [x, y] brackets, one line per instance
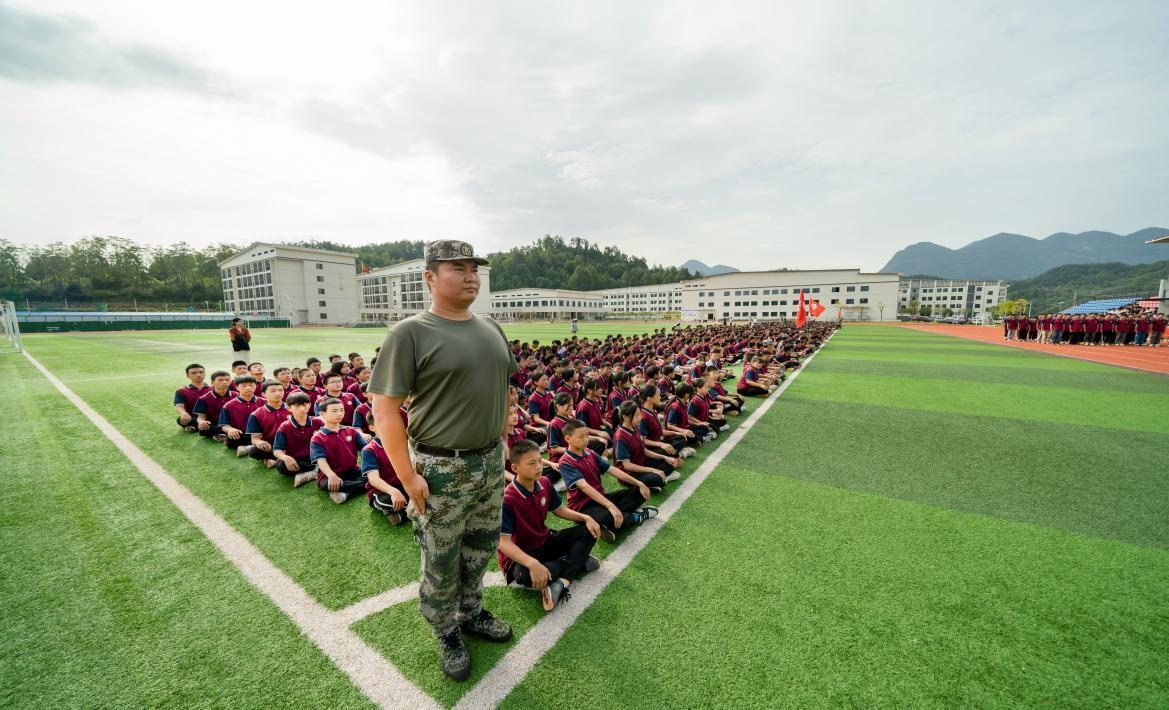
[802, 314]
[365, 268]
[815, 308]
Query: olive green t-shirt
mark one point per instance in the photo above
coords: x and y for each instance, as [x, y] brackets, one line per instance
[455, 370]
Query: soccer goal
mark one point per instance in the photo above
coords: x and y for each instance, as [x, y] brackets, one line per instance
[8, 327]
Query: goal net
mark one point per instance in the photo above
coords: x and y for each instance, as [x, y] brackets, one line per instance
[9, 330]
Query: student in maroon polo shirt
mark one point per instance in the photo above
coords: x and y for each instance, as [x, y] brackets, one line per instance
[361, 375]
[233, 416]
[569, 385]
[618, 395]
[335, 448]
[523, 421]
[283, 375]
[581, 469]
[342, 367]
[732, 404]
[187, 395]
[264, 422]
[208, 406]
[678, 415]
[530, 554]
[384, 490]
[1107, 329]
[556, 440]
[334, 383]
[1141, 329]
[633, 457]
[652, 430]
[239, 368]
[291, 446]
[1156, 330]
[750, 382]
[307, 384]
[590, 411]
[540, 401]
[1122, 327]
[702, 410]
[1091, 329]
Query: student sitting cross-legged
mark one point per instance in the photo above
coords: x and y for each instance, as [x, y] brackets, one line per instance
[581, 468]
[188, 395]
[385, 491]
[233, 417]
[652, 468]
[208, 406]
[530, 554]
[291, 447]
[334, 449]
[264, 422]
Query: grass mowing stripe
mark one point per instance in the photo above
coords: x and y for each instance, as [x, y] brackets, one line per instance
[368, 670]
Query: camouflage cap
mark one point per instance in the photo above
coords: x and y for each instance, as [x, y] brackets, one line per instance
[451, 250]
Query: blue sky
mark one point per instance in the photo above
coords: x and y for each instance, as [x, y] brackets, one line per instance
[761, 135]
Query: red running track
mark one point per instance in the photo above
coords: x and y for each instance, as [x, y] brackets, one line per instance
[1146, 359]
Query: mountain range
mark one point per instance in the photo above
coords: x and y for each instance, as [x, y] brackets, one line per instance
[1015, 256]
[695, 266]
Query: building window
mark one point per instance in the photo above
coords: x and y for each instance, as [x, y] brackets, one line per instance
[755, 292]
[320, 279]
[320, 292]
[864, 300]
[849, 301]
[321, 304]
[835, 289]
[726, 304]
[324, 316]
[320, 267]
[864, 288]
[850, 289]
[816, 290]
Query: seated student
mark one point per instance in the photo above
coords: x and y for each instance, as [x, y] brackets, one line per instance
[531, 431]
[355, 361]
[654, 433]
[569, 385]
[264, 422]
[702, 411]
[555, 432]
[589, 410]
[633, 457]
[581, 469]
[334, 450]
[187, 395]
[750, 383]
[540, 406]
[530, 554]
[238, 369]
[361, 375]
[207, 407]
[732, 404]
[678, 415]
[291, 446]
[256, 369]
[341, 367]
[333, 359]
[333, 387]
[314, 364]
[283, 375]
[384, 490]
[307, 385]
[665, 383]
[618, 395]
[233, 416]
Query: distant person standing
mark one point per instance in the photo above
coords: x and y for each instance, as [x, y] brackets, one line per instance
[449, 457]
[241, 339]
[573, 327]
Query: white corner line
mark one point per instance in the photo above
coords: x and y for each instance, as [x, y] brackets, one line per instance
[515, 665]
[392, 597]
[376, 677]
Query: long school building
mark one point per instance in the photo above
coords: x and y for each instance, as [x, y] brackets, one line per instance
[546, 304]
[970, 298]
[306, 286]
[395, 292]
[846, 294]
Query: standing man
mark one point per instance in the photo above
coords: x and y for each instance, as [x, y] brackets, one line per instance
[449, 458]
[241, 339]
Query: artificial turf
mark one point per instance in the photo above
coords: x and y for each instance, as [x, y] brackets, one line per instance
[917, 521]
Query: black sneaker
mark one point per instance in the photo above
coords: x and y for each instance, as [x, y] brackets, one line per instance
[608, 535]
[592, 564]
[396, 517]
[453, 656]
[552, 594]
[486, 626]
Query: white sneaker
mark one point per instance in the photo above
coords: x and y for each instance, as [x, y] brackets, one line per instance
[302, 478]
[338, 497]
[687, 452]
[673, 476]
[559, 486]
[243, 451]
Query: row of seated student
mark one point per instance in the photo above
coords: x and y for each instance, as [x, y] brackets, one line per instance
[573, 418]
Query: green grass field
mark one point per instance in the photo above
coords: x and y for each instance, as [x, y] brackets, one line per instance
[917, 521]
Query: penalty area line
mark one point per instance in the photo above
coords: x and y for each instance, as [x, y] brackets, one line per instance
[375, 676]
[515, 665]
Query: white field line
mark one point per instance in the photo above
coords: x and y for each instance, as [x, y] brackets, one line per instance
[139, 375]
[491, 690]
[369, 670]
[380, 602]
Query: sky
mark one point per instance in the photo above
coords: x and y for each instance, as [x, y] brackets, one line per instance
[756, 134]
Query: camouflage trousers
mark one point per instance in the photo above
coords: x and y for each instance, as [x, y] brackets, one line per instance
[457, 533]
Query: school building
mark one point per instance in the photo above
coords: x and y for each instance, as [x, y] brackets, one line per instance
[306, 286]
[546, 304]
[846, 294]
[656, 299]
[973, 299]
[395, 292]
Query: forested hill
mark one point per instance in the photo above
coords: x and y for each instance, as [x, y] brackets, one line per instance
[1054, 289]
[550, 262]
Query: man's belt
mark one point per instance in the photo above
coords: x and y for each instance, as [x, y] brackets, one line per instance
[454, 453]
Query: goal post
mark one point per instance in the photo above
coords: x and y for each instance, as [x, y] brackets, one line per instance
[9, 329]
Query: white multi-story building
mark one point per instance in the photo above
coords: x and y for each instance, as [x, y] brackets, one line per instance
[307, 286]
[656, 299]
[973, 299]
[392, 293]
[546, 304]
[847, 294]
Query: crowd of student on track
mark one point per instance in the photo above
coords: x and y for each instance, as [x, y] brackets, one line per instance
[633, 407]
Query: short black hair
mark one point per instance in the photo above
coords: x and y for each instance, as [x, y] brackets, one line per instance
[219, 373]
[353, 355]
[329, 402]
[282, 369]
[194, 366]
[237, 363]
[592, 383]
[358, 370]
[683, 390]
[298, 398]
[628, 409]
[562, 399]
[311, 360]
[270, 383]
[245, 379]
[648, 391]
[336, 367]
[572, 425]
[523, 447]
[333, 376]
